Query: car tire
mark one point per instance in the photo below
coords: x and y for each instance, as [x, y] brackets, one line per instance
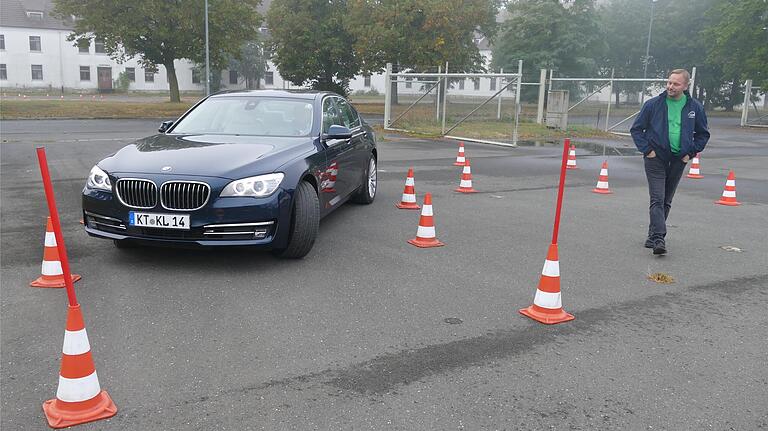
[367, 191]
[305, 222]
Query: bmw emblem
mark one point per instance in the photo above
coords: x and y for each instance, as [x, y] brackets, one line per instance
[165, 168]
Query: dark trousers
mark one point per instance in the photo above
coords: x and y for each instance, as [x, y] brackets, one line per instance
[663, 178]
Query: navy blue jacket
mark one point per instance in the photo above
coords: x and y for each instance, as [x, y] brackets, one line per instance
[650, 130]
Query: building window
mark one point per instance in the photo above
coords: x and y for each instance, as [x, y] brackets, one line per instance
[2, 41]
[408, 83]
[98, 46]
[195, 76]
[367, 81]
[461, 84]
[233, 77]
[34, 44]
[35, 15]
[131, 73]
[84, 46]
[85, 73]
[3, 72]
[493, 84]
[149, 75]
[37, 72]
[269, 78]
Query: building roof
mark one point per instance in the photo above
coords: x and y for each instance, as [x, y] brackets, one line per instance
[31, 14]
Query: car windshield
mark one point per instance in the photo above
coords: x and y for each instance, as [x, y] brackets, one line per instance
[261, 116]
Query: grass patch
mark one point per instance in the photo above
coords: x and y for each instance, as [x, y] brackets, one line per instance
[661, 277]
[35, 109]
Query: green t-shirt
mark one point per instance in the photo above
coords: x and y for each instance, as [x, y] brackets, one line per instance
[674, 111]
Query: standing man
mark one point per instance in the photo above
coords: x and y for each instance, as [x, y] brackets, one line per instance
[670, 129]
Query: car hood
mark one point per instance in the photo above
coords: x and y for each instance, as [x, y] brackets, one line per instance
[225, 156]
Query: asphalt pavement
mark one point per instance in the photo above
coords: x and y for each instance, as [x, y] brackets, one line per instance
[369, 332]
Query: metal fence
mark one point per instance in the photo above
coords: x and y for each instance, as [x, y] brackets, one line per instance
[751, 114]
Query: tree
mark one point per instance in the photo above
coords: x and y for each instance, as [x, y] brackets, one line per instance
[549, 34]
[310, 43]
[738, 40]
[251, 63]
[159, 32]
[420, 34]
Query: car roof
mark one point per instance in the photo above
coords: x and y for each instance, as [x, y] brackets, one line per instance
[291, 94]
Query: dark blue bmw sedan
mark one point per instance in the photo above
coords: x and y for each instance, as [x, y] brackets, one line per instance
[244, 168]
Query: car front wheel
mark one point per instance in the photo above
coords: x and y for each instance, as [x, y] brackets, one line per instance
[305, 223]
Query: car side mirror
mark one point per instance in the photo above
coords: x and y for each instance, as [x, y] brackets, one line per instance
[338, 132]
[165, 125]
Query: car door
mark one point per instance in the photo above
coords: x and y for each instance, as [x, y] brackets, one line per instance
[360, 149]
[337, 179]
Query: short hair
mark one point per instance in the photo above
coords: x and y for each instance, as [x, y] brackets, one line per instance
[683, 72]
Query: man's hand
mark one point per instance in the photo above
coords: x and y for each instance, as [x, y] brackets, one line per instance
[686, 158]
[651, 155]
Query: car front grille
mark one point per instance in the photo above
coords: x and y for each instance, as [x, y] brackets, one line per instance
[136, 193]
[184, 195]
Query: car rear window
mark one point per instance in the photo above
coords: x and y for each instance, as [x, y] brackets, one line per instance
[260, 116]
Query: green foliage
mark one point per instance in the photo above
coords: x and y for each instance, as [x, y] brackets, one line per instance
[251, 62]
[159, 32]
[123, 82]
[738, 39]
[420, 34]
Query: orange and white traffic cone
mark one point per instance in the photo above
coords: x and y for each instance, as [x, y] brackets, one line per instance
[79, 398]
[465, 186]
[425, 236]
[571, 164]
[694, 172]
[547, 305]
[52, 274]
[408, 201]
[602, 181]
[729, 193]
[460, 157]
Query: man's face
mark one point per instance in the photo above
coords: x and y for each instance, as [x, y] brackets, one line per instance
[676, 83]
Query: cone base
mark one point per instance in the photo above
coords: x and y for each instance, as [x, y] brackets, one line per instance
[425, 243]
[696, 177]
[59, 415]
[408, 206]
[729, 203]
[465, 190]
[56, 282]
[602, 191]
[571, 167]
[559, 316]
[458, 164]
[329, 190]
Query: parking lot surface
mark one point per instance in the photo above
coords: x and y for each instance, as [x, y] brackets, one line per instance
[369, 332]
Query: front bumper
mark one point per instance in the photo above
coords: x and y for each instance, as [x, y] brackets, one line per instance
[235, 221]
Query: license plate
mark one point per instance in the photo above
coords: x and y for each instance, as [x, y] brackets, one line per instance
[161, 221]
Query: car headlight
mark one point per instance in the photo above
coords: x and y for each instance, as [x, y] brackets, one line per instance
[99, 180]
[261, 186]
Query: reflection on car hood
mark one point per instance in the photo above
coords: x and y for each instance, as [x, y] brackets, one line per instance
[226, 156]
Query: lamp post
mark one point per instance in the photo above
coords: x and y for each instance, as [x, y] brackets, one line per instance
[207, 55]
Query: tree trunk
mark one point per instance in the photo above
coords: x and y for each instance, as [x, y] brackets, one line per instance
[730, 101]
[173, 83]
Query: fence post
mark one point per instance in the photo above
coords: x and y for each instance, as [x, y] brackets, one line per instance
[498, 110]
[387, 95]
[745, 108]
[693, 80]
[437, 93]
[542, 94]
[610, 96]
[445, 97]
[517, 99]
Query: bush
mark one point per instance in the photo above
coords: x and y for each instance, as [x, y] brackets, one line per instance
[122, 83]
[371, 92]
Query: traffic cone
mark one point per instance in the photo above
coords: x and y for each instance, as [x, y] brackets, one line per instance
[460, 157]
[408, 202]
[602, 181]
[79, 398]
[547, 305]
[465, 186]
[571, 164]
[729, 193]
[425, 236]
[52, 274]
[694, 171]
